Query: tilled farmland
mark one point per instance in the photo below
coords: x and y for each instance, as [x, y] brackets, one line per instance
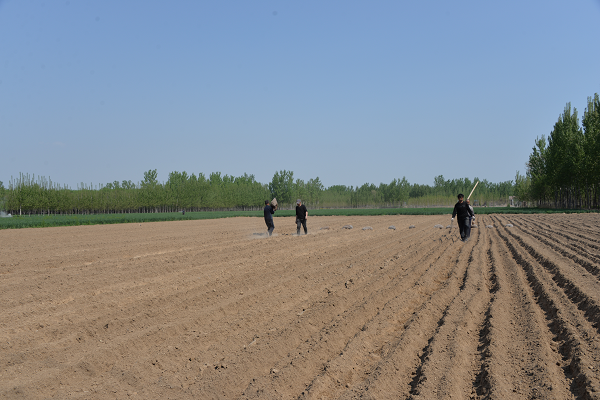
[213, 309]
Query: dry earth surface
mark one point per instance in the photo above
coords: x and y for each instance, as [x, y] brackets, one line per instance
[215, 310]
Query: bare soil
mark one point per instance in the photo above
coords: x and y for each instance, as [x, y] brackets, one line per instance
[214, 309]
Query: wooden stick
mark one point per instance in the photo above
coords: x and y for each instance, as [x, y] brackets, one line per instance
[472, 190]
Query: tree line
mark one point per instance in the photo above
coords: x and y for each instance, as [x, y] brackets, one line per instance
[29, 194]
[563, 171]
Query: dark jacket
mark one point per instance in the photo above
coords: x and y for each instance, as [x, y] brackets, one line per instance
[301, 212]
[462, 210]
[268, 210]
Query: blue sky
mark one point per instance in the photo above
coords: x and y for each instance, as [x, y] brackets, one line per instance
[348, 91]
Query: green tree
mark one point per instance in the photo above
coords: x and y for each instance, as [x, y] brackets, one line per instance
[282, 186]
[591, 129]
[564, 158]
[417, 190]
[175, 189]
[150, 178]
[150, 188]
[314, 189]
[522, 187]
[440, 185]
[201, 191]
[537, 171]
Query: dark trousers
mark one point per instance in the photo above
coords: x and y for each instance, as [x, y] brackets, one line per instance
[464, 226]
[270, 226]
[303, 223]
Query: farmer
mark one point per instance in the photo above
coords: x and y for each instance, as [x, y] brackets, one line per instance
[471, 219]
[301, 216]
[269, 210]
[462, 210]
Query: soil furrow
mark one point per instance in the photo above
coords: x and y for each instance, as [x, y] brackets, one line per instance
[406, 288]
[215, 309]
[572, 251]
[401, 357]
[575, 233]
[481, 385]
[582, 290]
[518, 338]
[452, 359]
[576, 341]
[583, 228]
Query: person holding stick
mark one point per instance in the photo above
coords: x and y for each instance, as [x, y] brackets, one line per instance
[473, 217]
[463, 212]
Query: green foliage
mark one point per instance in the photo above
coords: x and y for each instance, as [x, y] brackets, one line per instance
[591, 131]
[2, 196]
[150, 178]
[282, 187]
[31, 195]
[522, 187]
[182, 191]
[565, 152]
[40, 221]
[564, 172]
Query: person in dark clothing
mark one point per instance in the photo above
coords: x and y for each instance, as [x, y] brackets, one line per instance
[472, 218]
[301, 216]
[269, 210]
[464, 214]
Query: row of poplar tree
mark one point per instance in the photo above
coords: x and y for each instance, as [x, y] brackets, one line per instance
[563, 170]
[30, 195]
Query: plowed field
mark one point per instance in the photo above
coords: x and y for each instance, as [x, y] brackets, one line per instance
[214, 310]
